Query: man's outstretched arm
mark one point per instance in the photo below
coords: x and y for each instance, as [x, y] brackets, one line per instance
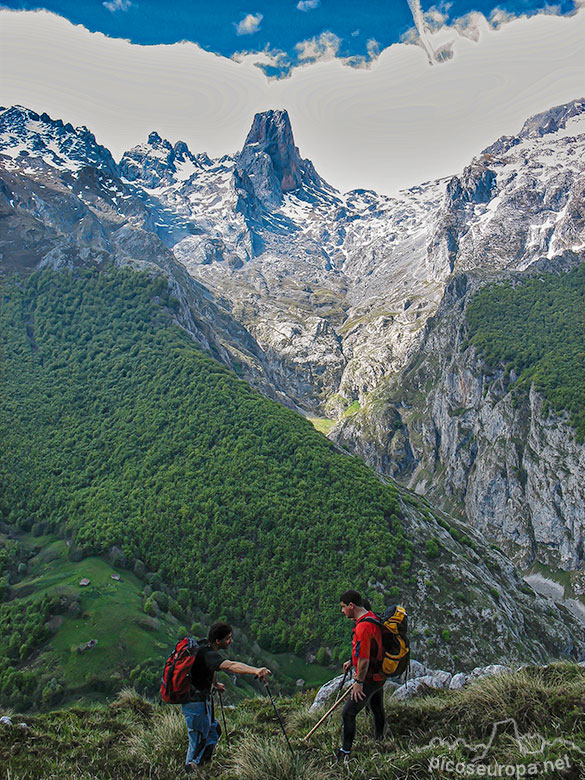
[237, 667]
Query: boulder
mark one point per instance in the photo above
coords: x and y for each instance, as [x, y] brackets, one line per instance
[458, 681]
[421, 685]
[489, 671]
[418, 669]
[328, 690]
[87, 646]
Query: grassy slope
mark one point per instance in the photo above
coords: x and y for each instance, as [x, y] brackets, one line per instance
[537, 328]
[110, 611]
[131, 645]
[134, 738]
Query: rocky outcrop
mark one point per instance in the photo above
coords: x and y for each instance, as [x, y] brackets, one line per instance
[270, 165]
[417, 684]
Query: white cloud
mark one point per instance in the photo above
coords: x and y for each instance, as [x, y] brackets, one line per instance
[499, 16]
[308, 5]
[393, 125]
[321, 49]
[117, 5]
[434, 18]
[249, 24]
[268, 60]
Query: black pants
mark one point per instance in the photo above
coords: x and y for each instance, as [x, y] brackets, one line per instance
[375, 702]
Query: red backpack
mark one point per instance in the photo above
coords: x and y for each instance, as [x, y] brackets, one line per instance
[176, 683]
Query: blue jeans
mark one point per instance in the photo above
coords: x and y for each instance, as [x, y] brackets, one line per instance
[203, 730]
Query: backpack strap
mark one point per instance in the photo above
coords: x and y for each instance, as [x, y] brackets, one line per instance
[375, 621]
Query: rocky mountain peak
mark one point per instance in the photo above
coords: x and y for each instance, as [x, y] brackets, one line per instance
[154, 139]
[270, 163]
[539, 125]
[551, 121]
[271, 133]
[26, 134]
[158, 162]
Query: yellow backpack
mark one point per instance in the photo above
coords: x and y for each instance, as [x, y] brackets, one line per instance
[393, 626]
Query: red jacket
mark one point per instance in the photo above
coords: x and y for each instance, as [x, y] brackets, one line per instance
[367, 643]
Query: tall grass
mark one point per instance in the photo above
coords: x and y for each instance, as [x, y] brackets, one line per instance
[264, 758]
[135, 739]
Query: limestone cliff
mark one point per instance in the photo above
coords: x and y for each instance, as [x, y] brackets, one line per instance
[466, 437]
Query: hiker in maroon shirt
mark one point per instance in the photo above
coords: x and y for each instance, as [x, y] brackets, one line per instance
[366, 659]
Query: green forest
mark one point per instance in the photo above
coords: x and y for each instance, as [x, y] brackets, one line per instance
[116, 430]
[537, 329]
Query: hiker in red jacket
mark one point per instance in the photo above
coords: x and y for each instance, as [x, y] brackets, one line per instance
[366, 659]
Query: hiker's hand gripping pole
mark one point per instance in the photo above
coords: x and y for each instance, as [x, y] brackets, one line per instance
[327, 714]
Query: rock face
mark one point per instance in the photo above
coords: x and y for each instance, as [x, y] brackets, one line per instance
[270, 162]
[460, 434]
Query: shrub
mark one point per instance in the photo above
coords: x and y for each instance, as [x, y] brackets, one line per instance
[150, 606]
[139, 569]
[323, 657]
[161, 599]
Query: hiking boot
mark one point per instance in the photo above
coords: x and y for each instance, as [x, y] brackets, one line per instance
[341, 756]
[191, 768]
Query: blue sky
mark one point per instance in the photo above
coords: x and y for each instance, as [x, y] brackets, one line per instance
[439, 85]
[231, 26]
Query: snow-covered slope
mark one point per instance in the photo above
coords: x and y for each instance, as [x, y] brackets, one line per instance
[28, 139]
[521, 199]
[335, 288]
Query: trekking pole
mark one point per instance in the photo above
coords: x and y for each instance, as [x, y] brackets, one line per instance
[327, 714]
[279, 719]
[227, 736]
[341, 684]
